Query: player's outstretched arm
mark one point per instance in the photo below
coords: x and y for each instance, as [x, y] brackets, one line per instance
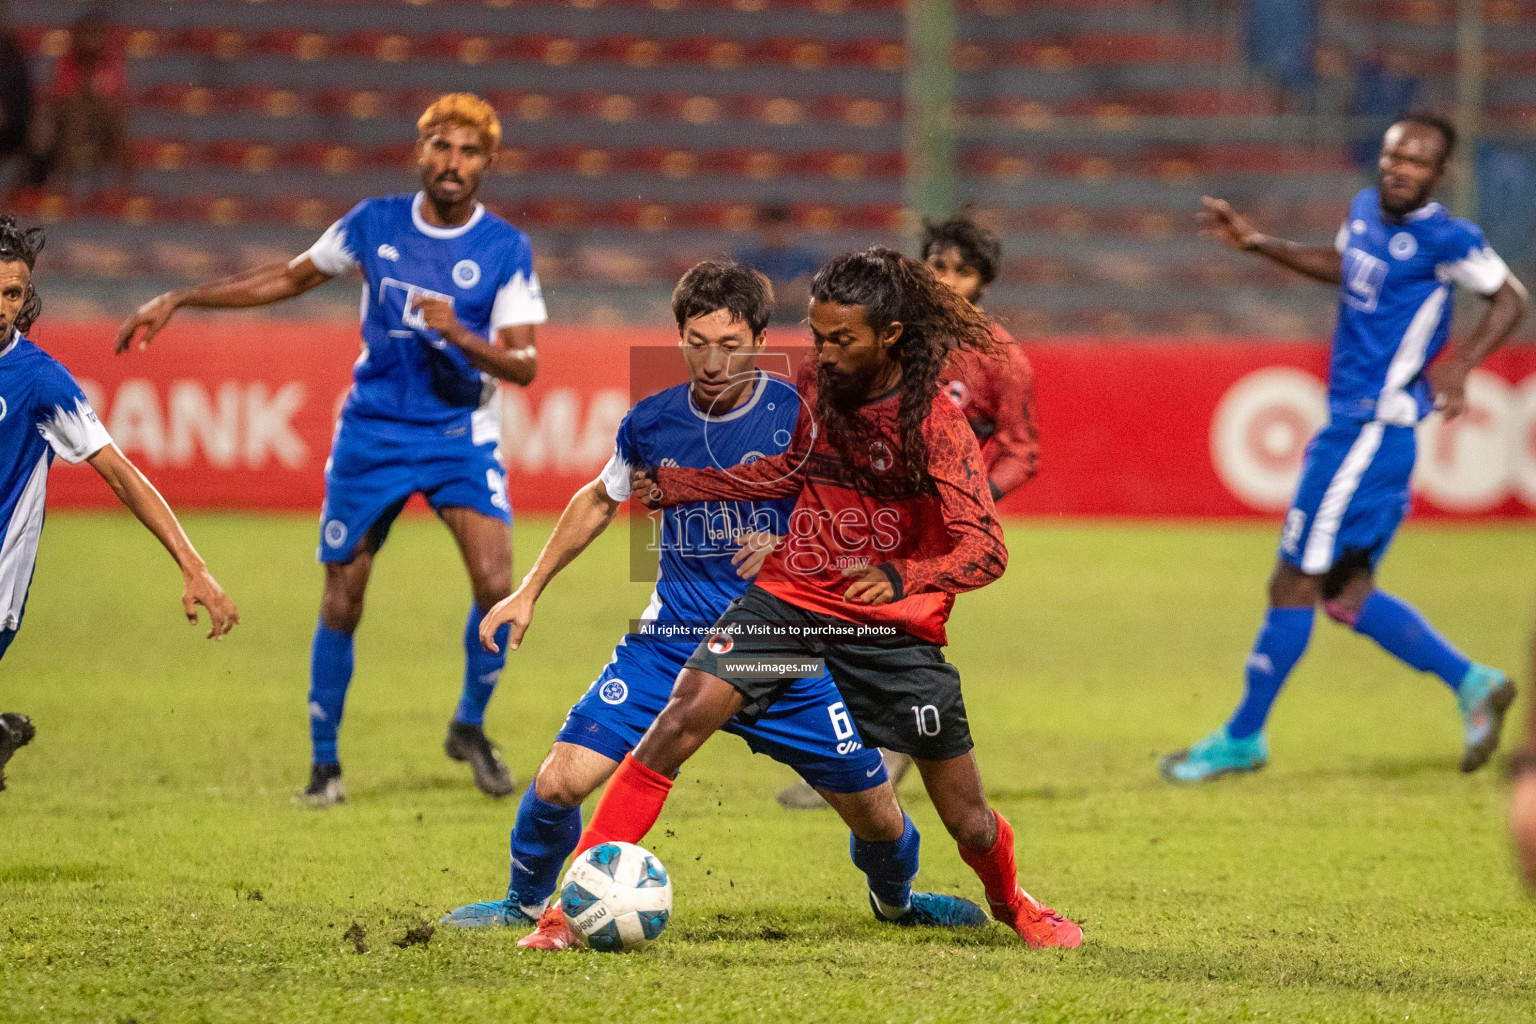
[1448, 374]
[258, 287]
[1218, 221]
[586, 515]
[141, 498]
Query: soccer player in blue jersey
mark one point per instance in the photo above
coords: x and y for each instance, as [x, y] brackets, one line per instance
[449, 304]
[730, 413]
[43, 413]
[1397, 258]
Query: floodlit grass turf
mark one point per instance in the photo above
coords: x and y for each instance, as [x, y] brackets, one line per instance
[1360, 878]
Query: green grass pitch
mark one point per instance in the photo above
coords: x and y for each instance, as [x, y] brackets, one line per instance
[1359, 878]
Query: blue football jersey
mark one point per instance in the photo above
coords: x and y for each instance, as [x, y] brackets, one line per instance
[407, 372]
[695, 579]
[1395, 305]
[43, 412]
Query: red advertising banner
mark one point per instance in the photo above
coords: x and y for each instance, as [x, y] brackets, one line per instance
[238, 413]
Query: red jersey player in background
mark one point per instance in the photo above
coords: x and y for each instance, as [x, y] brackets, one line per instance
[995, 390]
[893, 518]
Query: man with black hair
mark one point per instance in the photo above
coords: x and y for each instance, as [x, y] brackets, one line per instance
[44, 413]
[729, 414]
[892, 520]
[994, 390]
[1396, 260]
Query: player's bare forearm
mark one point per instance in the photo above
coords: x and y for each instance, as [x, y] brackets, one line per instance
[512, 357]
[586, 516]
[1506, 309]
[260, 286]
[139, 496]
[1448, 375]
[1319, 262]
[1219, 222]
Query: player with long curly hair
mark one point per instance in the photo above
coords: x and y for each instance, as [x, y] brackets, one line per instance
[892, 519]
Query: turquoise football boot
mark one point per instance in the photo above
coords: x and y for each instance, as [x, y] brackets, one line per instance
[935, 910]
[1485, 695]
[488, 914]
[1216, 755]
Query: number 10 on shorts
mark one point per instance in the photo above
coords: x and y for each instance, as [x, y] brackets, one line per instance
[927, 718]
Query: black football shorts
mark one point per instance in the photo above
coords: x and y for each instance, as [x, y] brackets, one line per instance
[900, 692]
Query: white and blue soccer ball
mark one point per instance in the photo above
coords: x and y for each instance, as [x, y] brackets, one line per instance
[617, 897]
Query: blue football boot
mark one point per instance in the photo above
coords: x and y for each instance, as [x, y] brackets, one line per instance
[1216, 755]
[1484, 697]
[489, 914]
[934, 910]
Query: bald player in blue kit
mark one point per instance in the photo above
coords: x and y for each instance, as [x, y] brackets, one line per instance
[1396, 260]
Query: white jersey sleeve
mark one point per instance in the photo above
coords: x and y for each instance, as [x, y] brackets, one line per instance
[1471, 261]
[331, 254]
[69, 424]
[520, 301]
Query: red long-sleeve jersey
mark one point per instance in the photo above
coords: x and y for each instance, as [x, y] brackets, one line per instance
[996, 392]
[932, 545]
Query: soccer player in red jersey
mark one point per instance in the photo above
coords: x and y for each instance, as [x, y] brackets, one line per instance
[893, 518]
[995, 390]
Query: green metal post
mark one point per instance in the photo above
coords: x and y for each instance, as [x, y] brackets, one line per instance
[930, 107]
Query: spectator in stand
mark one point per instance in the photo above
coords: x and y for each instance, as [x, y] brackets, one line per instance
[1386, 91]
[15, 98]
[1280, 38]
[788, 266]
[85, 123]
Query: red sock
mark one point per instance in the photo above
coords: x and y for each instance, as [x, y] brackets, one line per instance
[630, 805]
[996, 868]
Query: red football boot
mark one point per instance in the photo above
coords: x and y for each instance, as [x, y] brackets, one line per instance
[552, 934]
[1038, 925]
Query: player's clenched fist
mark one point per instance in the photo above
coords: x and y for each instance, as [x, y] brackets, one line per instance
[870, 585]
[642, 484]
[438, 314]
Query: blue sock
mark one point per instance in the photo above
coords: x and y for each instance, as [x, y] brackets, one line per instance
[481, 669]
[330, 671]
[543, 837]
[889, 866]
[1407, 635]
[1280, 644]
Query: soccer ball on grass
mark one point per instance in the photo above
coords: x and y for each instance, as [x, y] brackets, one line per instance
[617, 897]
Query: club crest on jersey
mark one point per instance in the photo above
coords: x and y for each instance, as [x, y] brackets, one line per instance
[3, 408]
[614, 691]
[388, 252]
[750, 457]
[466, 273]
[721, 643]
[959, 393]
[1402, 246]
[880, 456]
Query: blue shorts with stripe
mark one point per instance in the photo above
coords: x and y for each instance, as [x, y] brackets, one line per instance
[1352, 496]
[808, 729]
[375, 467]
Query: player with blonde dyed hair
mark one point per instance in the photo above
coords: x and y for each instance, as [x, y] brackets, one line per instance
[462, 109]
[450, 300]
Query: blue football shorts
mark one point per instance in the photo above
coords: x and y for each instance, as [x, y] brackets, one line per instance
[1352, 497]
[375, 468]
[808, 729]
